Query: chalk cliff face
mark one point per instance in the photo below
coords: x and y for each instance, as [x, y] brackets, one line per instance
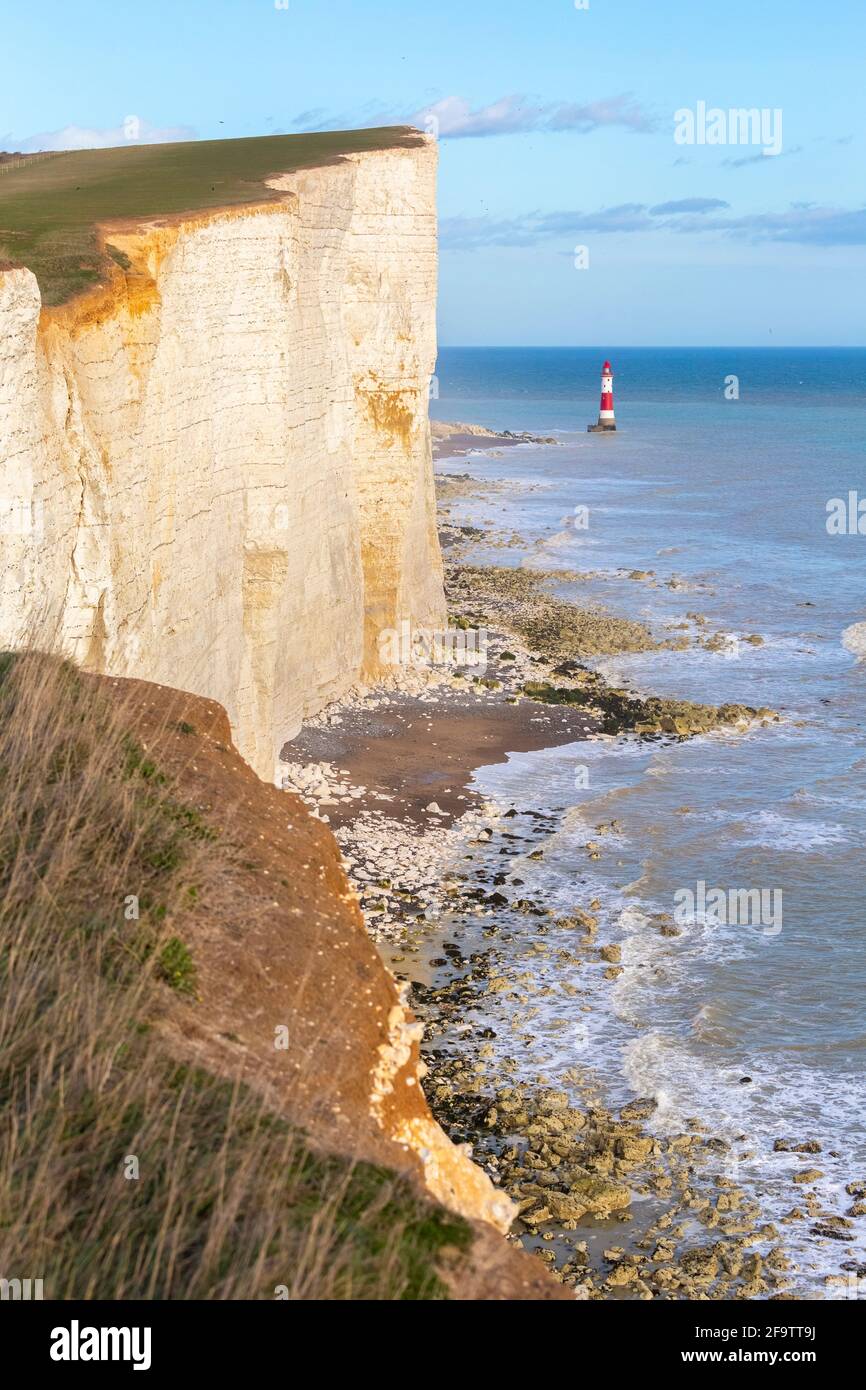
[214, 472]
[215, 475]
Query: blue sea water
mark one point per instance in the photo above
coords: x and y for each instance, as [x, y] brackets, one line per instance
[725, 502]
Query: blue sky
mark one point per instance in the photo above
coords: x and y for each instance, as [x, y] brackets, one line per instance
[556, 128]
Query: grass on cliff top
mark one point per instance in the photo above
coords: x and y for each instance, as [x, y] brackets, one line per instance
[49, 207]
[124, 1174]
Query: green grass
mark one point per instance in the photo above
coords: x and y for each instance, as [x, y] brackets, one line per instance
[49, 209]
[176, 966]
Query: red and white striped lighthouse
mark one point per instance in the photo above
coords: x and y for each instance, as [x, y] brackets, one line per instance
[606, 417]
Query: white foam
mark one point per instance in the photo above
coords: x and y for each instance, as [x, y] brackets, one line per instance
[774, 831]
[781, 1100]
[854, 640]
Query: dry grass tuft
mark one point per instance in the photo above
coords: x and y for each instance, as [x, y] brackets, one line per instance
[122, 1173]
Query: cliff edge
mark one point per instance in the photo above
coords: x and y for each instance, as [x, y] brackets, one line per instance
[214, 467]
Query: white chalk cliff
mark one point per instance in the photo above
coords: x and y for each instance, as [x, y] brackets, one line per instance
[215, 471]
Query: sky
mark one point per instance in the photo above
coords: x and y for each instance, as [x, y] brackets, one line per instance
[578, 203]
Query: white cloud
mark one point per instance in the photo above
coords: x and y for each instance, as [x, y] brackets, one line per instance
[133, 130]
[801, 224]
[453, 118]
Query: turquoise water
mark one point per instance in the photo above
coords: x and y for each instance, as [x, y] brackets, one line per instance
[725, 501]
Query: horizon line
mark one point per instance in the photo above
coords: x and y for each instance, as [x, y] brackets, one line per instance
[656, 347]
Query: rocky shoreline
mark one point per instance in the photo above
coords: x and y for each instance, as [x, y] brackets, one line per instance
[614, 1208]
[450, 440]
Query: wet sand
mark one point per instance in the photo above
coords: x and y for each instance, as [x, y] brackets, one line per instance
[420, 753]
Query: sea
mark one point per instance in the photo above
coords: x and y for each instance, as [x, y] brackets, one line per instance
[734, 481]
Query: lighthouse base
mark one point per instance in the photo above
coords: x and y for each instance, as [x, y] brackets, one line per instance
[601, 428]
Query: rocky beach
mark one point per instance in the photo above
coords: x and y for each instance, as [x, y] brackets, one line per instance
[615, 1204]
